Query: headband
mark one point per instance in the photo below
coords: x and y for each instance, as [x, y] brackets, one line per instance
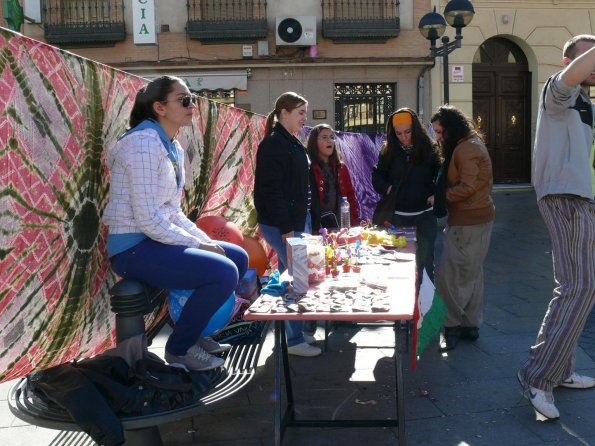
[402, 118]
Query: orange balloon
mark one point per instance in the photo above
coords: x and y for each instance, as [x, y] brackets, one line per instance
[219, 228]
[256, 254]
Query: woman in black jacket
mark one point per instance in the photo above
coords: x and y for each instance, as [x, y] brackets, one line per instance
[409, 162]
[282, 193]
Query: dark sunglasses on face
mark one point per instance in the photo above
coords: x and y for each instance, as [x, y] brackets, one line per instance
[185, 100]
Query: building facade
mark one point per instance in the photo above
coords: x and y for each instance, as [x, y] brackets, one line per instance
[354, 60]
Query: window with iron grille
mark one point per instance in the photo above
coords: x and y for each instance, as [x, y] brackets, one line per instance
[363, 108]
[225, 10]
[86, 11]
[82, 11]
[355, 10]
[360, 21]
[227, 21]
[83, 23]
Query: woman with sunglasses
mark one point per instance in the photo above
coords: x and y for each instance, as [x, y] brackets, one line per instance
[330, 180]
[150, 238]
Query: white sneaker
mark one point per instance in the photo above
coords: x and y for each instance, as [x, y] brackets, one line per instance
[309, 338]
[576, 381]
[304, 349]
[196, 358]
[212, 346]
[542, 401]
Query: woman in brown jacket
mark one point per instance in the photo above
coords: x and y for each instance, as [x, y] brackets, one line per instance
[459, 276]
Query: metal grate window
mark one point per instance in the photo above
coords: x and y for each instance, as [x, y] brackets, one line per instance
[358, 10]
[86, 11]
[82, 11]
[227, 21]
[226, 10]
[363, 108]
[83, 23]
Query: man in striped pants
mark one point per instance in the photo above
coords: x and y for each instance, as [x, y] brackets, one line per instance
[562, 179]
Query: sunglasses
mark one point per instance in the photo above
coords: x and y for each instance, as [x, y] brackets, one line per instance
[186, 100]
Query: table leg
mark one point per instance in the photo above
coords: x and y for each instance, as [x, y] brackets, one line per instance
[400, 403]
[281, 356]
[277, 356]
[287, 375]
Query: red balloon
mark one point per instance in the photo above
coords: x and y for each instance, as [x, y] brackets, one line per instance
[219, 228]
[257, 255]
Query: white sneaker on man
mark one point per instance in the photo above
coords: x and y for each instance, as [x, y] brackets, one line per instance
[542, 401]
[304, 349]
[576, 381]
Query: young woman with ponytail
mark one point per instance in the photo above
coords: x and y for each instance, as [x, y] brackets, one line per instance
[282, 194]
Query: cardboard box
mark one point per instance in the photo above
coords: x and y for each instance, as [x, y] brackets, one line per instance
[297, 259]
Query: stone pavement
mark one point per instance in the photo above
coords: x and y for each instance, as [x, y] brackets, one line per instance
[469, 396]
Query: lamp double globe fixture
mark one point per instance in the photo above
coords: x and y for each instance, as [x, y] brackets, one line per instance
[458, 14]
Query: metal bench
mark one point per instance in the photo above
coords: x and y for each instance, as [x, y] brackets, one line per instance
[130, 300]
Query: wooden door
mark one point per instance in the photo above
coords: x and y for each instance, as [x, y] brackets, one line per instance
[501, 110]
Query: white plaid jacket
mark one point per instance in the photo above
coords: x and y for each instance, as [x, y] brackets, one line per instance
[144, 196]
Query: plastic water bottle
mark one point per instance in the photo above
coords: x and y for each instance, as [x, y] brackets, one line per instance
[345, 213]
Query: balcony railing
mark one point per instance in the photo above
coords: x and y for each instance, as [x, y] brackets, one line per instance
[360, 21]
[83, 23]
[227, 21]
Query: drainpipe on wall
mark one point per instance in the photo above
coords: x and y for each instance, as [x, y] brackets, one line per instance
[421, 85]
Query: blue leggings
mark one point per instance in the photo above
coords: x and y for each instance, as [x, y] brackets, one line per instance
[213, 276]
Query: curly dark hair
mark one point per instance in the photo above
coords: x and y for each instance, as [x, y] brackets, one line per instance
[423, 145]
[456, 125]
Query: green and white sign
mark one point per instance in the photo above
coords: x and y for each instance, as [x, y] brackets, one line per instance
[143, 22]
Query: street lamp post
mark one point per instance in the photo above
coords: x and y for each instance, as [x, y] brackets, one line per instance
[458, 14]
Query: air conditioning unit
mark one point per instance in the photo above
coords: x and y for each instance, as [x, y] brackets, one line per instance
[296, 31]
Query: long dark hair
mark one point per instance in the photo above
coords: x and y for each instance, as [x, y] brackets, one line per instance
[423, 145]
[287, 101]
[155, 91]
[456, 125]
[312, 146]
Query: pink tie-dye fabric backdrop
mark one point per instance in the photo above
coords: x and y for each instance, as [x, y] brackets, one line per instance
[58, 114]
